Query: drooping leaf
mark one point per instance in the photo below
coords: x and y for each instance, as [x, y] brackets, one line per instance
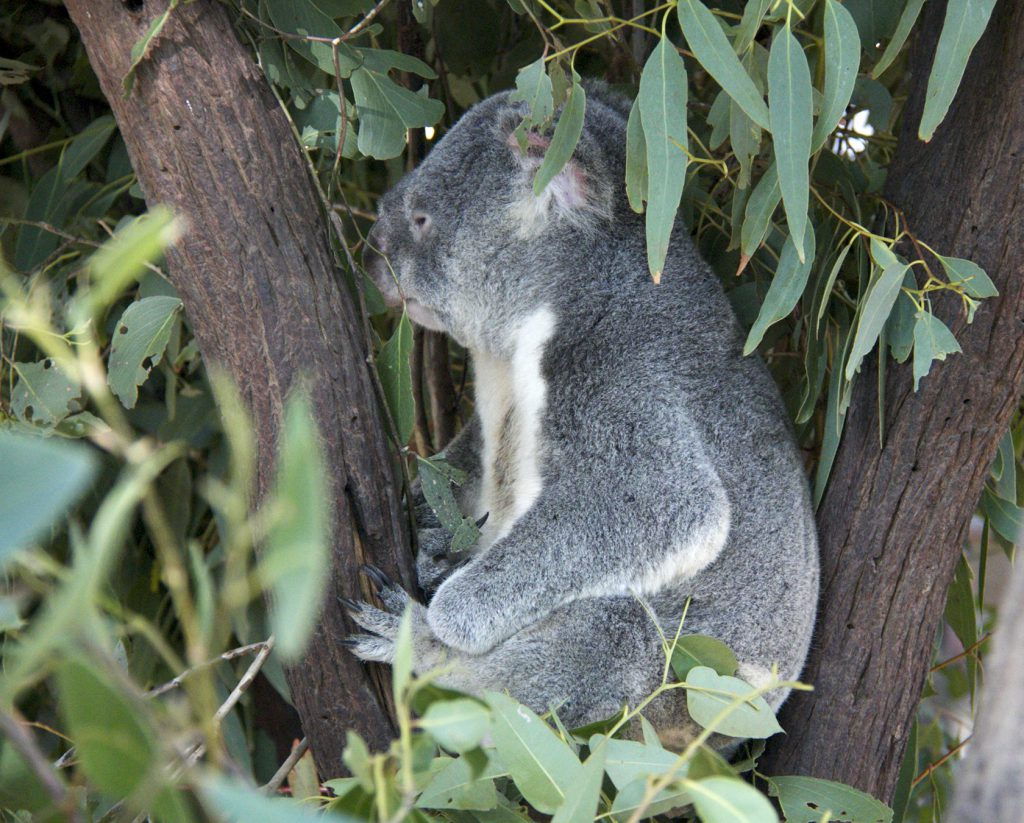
[753, 15]
[636, 160]
[39, 481]
[712, 49]
[563, 141]
[533, 87]
[44, 394]
[964, 24]
[139, 342]
[455, 786]
[386, 110]
[721, 799]
[142, 46]
[876, 306]
[899, 328]
[807, 799]
[971, 277]
[789, 103]
[543, 767]
[396, 378]
[787, 286]
[760, 208]
[47, 203]
[701, 650]
[875, 20]
[458, 725]
[747, 718]
[662, 103]
[297, 546]
[932, 341]
[899, 36]
[842, 59]
[85, 146]
[633, 797]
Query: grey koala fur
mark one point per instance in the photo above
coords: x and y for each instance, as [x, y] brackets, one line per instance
[630, 459]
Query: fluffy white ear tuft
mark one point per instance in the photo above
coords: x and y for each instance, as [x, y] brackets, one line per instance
[569, 196]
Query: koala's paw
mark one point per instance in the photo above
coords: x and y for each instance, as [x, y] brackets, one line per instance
[434, 563]
[382, 624]
[458, 620]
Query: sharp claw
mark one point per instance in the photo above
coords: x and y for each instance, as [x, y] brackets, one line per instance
[380, 580]
[350, 604]
[482, 520]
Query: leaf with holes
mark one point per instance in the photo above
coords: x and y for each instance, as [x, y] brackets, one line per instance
[139, 342]
[44, 394]
[809, 799]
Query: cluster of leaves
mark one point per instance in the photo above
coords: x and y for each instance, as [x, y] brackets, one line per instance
[95, 347]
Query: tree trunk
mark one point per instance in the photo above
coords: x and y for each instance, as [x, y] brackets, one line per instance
[894, 518]
[990, 784]
[266, 301]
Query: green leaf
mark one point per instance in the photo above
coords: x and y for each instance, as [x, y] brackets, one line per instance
[564, 140]
[628, 760]
[386, 110]
[235, 802]
[960, 615]
[541, 764]
[760, 208]
[701, 650]
[39, 481]
[750, 718]
[581, 800]
[401, 665]
[43, 394]
[899, 36]
[48, 203]
[789, 102]
[1005, 517]
[458, 725]
[114, 745]
[662, 103]
[808, 799]
[875, 20]
[876, 306]
[455, 786]
[899, 328]
[711, 48]
[302, 17]
[142, 46]
[964, 24]
[383, 60]
[123, 258]
[139, 342]
[395, 371]
[298, 541]
[85, 146]
[842, 59]
[729, 800]
[753, 15]
[632, 797]
[787, 286]
[744, 136]
[533, 87]
[636, 160]
[932, 341]
[970, 275]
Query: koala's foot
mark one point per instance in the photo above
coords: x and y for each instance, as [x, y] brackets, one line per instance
[382, 624]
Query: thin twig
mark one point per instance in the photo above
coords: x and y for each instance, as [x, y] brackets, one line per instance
[15, 729]
[968, 651]
[933, 766]
[231, 654]
[296, 755]
[362, 24]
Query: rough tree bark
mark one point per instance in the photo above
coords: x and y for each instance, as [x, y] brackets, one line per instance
[990, 784]
[266, 302]
[894, 518]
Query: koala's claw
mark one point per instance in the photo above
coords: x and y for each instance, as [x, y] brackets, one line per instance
[382, 624]
[370, 647]
[482, 520]
[350, 604]
[380, 580]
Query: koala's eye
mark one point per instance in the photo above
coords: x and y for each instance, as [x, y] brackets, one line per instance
[420, 223]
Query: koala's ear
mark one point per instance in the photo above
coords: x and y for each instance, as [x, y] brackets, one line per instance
[575, 193]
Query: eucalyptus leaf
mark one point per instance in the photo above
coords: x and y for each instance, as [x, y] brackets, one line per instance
[628, 760]
[964, 24]
[751, 717]
[458, 725]
[533, 87]
[932, 341]
[44, 394]
[842, 59]
[789, 102]
[721, 799]
[760, 208]
[456, 787]
[700, 650]
[807, 799]
[582, 799]
[899, 37]
[662, 103]
[138, 345]
[785, 291]
[386, 110]
[564, 140]
[875, 309]
[303, 19]
[636, 160]
[395, 372]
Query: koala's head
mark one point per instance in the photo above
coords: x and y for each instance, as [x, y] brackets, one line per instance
[466, 243]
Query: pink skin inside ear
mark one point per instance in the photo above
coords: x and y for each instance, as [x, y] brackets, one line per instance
[533, 141]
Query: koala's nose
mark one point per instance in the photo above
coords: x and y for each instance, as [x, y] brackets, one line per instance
[376, 263]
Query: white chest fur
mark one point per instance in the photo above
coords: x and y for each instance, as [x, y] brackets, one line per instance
[511, 395]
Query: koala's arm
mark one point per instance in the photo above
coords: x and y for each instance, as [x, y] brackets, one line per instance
[463, 453]
[630, 531]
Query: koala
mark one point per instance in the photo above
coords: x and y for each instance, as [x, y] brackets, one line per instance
[630, 462]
